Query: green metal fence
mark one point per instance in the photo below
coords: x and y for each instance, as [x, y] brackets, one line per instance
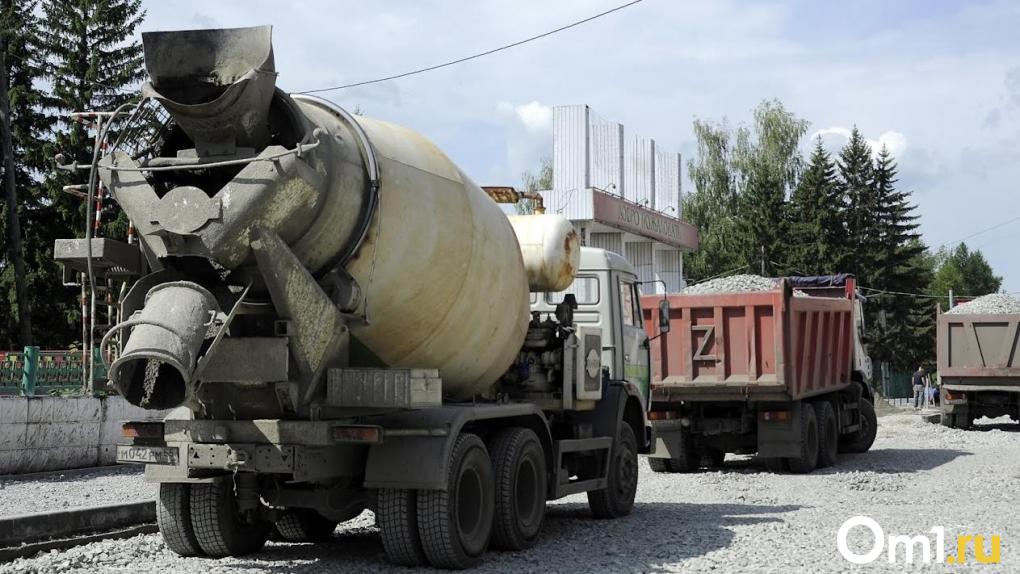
[34, 372]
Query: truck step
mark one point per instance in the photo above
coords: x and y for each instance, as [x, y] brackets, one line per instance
[565, 483]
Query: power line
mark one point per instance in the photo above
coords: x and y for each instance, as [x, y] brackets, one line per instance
[474, 56]
[985, 230]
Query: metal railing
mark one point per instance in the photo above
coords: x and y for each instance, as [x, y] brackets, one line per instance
[34, 372]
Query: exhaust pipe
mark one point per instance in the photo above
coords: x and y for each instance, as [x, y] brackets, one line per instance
[217, 84]
[155, 370]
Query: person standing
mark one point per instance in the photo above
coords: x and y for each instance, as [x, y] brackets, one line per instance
[918, 381]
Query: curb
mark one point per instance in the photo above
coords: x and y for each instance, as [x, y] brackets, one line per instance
[32, 528]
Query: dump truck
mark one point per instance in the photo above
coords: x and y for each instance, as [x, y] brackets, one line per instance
[978, 358]
[341, 320]
[782, 373]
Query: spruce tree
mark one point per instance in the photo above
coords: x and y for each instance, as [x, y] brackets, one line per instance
[29, 127]
[92, 64]
[815, 217]
[900, 268]
[860, 251]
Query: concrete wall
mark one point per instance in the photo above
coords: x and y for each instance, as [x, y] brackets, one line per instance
[56, 433]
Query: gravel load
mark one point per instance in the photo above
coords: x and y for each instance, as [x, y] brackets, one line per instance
[739, 519]
[63, 490]
[994, 304]
[732, 284]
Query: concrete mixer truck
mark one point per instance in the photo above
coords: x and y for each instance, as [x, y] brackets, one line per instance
[342, 320]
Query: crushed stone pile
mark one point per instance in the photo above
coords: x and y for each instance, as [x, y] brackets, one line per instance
[994, 304]
[732, 284]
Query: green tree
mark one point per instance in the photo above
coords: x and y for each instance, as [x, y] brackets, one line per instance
[713, 205]
[965, 272]
[90, 60]
[862, 244]
[29, 127]
[768, 165]
[815, 217]
[534, 182]
[740, 192]
[905, 335]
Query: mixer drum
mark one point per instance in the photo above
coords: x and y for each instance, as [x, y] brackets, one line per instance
[441, 274]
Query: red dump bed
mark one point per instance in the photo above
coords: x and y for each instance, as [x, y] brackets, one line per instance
[761, 345]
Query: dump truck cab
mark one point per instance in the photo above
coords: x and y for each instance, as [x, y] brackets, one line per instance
[608, 297]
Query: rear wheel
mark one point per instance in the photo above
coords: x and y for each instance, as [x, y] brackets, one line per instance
[397, 518]
[518, 462]
[714, 458]
[660, 464]
[221, 530]
[808, 459]
[862, 440]
[303, 525]
[173, 515]
[687, 458]
[828, 439]
[617, 498]
[455, 524]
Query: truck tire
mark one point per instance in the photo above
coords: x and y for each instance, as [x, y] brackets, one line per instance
[303, 525]
[809, 442]
[617, 498]
[828, 437]
[948, 420]
[219, 528]
[455, 524]
[714, 458]
[660, 464]
[518, 462]
[862, 440]
[173, 515]
[776, 465]
[397, 518]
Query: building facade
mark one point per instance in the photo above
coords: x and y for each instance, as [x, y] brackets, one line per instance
[622, 193]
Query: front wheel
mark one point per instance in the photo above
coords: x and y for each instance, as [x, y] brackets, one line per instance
[617, 498]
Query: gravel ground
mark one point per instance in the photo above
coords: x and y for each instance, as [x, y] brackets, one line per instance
[69, 489]
[994, 304]
[740, 519]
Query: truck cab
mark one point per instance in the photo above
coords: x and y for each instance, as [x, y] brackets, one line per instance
[608, 298]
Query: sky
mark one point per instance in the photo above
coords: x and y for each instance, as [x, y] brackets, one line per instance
[937, 82]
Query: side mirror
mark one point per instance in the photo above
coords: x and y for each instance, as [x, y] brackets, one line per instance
[663, 316]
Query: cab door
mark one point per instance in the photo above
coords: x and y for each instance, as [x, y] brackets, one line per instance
[633, 340]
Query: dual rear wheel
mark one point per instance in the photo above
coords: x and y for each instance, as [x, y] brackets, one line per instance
[495, 496]
[204, 520]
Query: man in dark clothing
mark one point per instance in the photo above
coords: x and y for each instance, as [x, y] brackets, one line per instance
[918, 382]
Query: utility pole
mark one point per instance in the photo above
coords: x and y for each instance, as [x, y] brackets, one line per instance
[13, 225]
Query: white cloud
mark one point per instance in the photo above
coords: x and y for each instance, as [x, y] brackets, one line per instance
[529, 133]
[533, 116]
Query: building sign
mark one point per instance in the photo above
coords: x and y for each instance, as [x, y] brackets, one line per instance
[633, 218]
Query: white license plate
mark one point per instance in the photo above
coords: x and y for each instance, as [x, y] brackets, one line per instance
[148, 454]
